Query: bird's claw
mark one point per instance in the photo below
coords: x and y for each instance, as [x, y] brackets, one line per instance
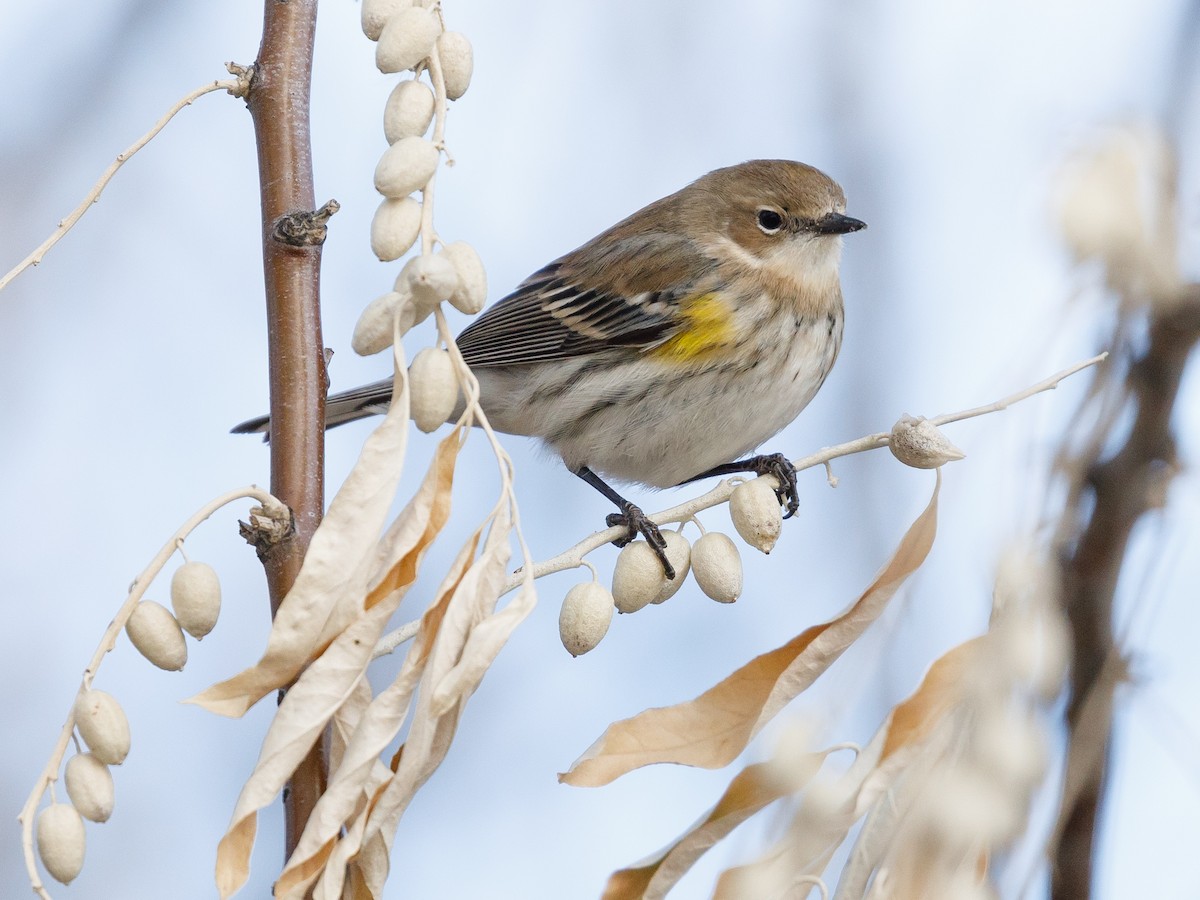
[637, 523]
[781, 467]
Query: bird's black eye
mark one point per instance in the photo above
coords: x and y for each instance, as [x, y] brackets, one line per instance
[770, 221]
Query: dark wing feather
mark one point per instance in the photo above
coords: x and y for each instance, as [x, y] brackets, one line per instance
[617, 291]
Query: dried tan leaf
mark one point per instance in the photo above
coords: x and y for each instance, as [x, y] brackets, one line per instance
[431, 730]
[711, 730]
[751, 790]
[869, 784]
[306, 708]
[435, 723]
[940, 691]
[911, 722]
[331, 679]
[345, 720]
[342, 544]
[378, 725]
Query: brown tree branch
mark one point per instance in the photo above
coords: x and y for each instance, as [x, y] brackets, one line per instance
[292, 236]
[1119, 490]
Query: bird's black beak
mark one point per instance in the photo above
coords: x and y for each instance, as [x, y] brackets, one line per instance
[836, 223]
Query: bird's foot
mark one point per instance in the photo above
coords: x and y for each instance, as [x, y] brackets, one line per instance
[781, 467]
[637, 523]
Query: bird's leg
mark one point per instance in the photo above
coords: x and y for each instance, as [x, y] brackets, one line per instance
[631, 518]
[770, 464]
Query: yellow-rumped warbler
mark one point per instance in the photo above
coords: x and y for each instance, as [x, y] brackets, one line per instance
[667, 347]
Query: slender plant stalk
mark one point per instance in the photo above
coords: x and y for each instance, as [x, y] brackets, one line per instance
[279, 106]
[1120, 490]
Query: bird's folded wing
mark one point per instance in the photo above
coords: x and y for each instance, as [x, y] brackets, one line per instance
[623, 292]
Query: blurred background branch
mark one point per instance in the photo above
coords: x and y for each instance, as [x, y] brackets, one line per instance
[1115, 491]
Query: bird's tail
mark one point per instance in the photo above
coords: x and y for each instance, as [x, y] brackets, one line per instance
[368, 400]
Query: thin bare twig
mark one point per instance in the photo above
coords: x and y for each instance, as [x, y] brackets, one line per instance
[236, 88]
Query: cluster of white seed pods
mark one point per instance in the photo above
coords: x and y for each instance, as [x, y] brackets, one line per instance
[158, 635]
[639, 581]
[101, 723]
[61, 837]
[411, 38]
[638, 577]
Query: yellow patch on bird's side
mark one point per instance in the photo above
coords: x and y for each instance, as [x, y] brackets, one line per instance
[708, 328]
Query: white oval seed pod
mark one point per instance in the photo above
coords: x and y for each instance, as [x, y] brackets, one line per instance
[375, 14]
[471, 292]
[376, 324]
[917, 442]
[157, 636]
[421, 308]
[433, 388]
[196, 598]
[61, 841]
[90, 787]
[406, 166]
[754, 509]
[406, 39]
[458, 62]
[586, 613]
[637, 577]
[431, 279]
[408, 111]
[395, 227]
[103, 726]
[679, 555]
[717, 567]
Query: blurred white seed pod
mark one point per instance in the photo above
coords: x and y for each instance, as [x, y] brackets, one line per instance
[61, 841]
[375, 328]
[90, 787]
[458, 62]
[395, 227]
[406, 166]
[408, 111]
[471, 292]
[375, 14]
[586, 613]
[964, 808]
[430, 278]
[157, 636]
[196, 598]
[1035, 650]
[103, 726]
[1117, 204]
[917, 442]
[433, 388]
[406, 39]
[1009, 746]
[756, 515]
[679, 554]
[717, 567]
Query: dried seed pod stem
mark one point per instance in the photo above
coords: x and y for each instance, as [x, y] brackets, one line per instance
[272, 508]
[571, 557]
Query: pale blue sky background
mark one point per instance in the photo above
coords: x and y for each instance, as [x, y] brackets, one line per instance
[131, 351]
